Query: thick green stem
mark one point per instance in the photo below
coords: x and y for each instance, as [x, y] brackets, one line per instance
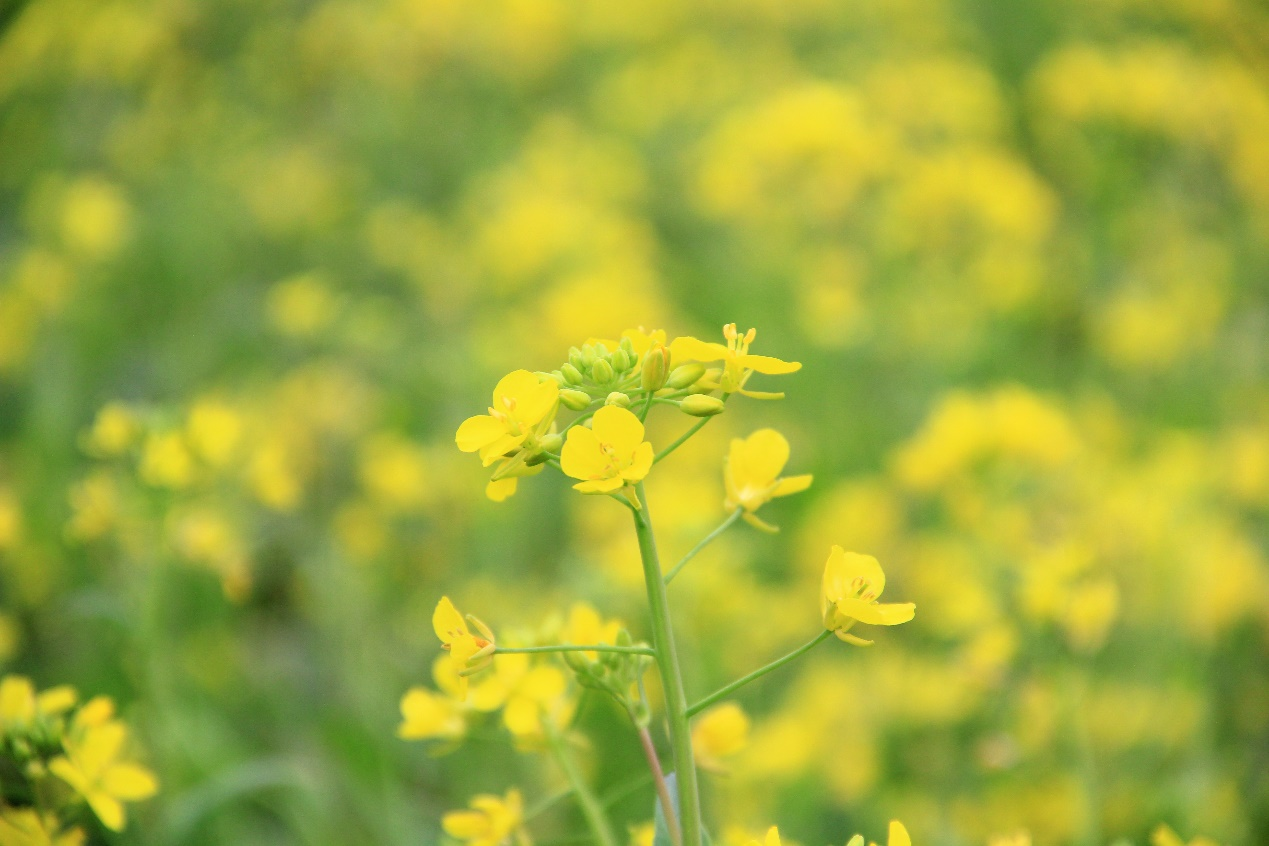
[671, 678]
[731, 518]
[592, 808]
[758, 673]
[569, 647]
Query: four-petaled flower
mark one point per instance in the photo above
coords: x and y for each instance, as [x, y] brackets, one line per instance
[523, 409]
[738, 363]
[491, 820]
[471, 652]
[92, 765]
[852, 584]
[609, 455]
[752, 474]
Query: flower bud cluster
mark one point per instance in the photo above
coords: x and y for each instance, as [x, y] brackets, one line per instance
[614, 673]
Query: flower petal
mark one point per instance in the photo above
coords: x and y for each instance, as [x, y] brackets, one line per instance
[688, 348]
[876, 615]
[478, 432]
[618, 427]
[765, 453]
[600, 485]
[513, 386]
[129, 782]
[447, 622]
[898, 835]
[792, 485]
[500, 489]
[581, 456]
[768, 364]
[641, 463]
[537, 403]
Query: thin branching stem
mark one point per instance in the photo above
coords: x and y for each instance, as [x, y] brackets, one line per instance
[724, 692]
[726, 524]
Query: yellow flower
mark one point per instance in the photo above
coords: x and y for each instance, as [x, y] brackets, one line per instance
[751, 474]
[471, 653]
[584, 626]
[738, 363]
[609, 455]
[718, 734]
[898, 836]
[523, 408]
[92, 764]
[428, 715]
[772, 838]
[25, 827]
[852, 584]
[491, 821]
[21, 707]
[536, 698]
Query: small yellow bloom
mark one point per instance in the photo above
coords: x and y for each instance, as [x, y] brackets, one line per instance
[115, 430]
[852, 584]
[471, 653]
[752, 474]
[21, 707]
[718, 734]
[523, 408]
[609, 455]
[537, 698]
[92, 765]
[738, 363]
[491, 820]
[585, 625]
[428, 715]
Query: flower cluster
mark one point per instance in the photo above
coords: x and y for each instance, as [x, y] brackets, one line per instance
[64, 753]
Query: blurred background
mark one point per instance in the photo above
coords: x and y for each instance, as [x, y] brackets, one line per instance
[259, 259]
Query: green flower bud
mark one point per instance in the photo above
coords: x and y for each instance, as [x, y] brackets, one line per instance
[700, 405]
[555, 375]
[588, 357]
[601, 350]
[575, 358]
[618, 398]
[572, 376]
[685, 375]
[574, 400]
[621, 362]
[601, 372]
[656, 364]
[628, 347]
[551, 443]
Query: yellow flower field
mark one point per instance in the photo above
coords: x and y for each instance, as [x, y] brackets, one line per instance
[387, 457]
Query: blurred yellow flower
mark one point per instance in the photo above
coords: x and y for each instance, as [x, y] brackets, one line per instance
[772, 838]
[609, 455]
[852, 584]
[10, 520]
[214, 431]
[751, 474]
[738, 363]
[166, 461]
[95, 218]
[718, 734]
[426, 715]
[523, 408]
[585, 625]
[302, 305]
[25, 827]
[492, 820]
[470, 652]
[115, 429]
[1165, 836]
[897, 836]
[536, 698]
[92, 764]
[21, 707]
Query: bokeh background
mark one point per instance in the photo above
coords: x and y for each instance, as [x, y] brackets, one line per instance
[1021, 246]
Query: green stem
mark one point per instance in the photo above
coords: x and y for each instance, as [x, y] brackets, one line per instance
[591, 807]
[758, 673]
[731, 518]
[568, 647]
[547, 803]
[681, 439]
[671, 677]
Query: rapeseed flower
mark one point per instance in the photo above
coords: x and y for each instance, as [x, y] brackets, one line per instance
[471, 652]
[852, 584]
[491, 820]
[523, 408]
[608, 456]
[738, 363]
[21, 708]
[751, 474]
[92, 764]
